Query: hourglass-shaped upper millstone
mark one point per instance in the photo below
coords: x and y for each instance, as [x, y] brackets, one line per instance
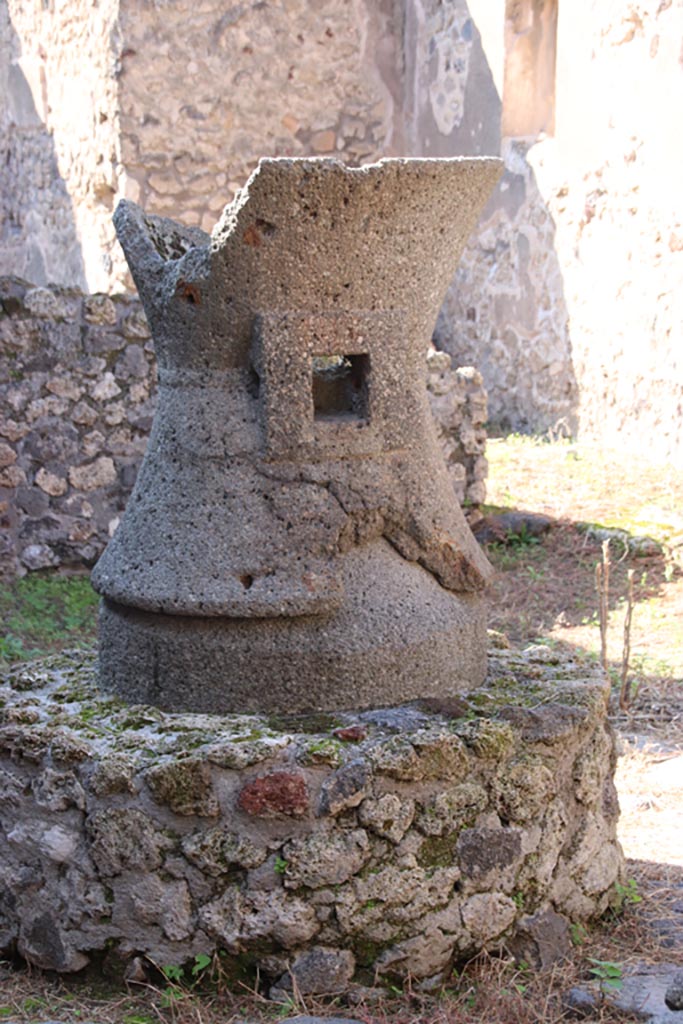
[308, 235]
[253, 490]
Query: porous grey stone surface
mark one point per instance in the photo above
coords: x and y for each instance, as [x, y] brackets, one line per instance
[542, 939]
[77, 396]
[579, 1004]
[673, 997]
[644, 991]
[292, 541]
[335, 847]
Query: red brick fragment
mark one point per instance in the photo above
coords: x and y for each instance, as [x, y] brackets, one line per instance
[279, 794]
[351, 733]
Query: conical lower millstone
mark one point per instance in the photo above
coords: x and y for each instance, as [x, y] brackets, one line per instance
[293, 542]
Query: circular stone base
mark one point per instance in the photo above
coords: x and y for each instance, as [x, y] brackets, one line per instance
[397, 635]
[332, 847]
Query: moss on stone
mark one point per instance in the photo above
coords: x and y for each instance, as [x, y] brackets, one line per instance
[591, 695]
[437, 852]
[321, 751]
[451, 810]
[386, 898]
[443, 757]
[366, 951]
[503, 691]
[249, 737]
[489, 739]
[138, 718]
[72, 693]
[185, 786]
[319, 723]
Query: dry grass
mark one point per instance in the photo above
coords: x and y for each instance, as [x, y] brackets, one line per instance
[488, 990]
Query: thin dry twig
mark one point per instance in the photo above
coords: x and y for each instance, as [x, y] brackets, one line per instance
[602, 587]
[625, 690]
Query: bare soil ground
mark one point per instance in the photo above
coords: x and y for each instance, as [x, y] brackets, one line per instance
[542, 590]
[547, 589]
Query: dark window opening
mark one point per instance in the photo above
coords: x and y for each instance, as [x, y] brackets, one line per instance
[253, 382]
[340, 387]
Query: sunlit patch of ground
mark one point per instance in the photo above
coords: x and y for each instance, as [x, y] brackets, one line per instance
[546, 589]
[589, 483]
[649, 780]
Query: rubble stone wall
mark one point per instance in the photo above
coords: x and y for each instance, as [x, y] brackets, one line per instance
[294, 79]
[76, 404]
[459, 405]
[334, 850]
[77, 394]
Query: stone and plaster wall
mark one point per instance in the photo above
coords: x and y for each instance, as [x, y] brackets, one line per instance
[283, 79]
[505, 311]
[340, 850]
[77, 393]
[459, 406]
[568, 296]
[611, 180]
[172, 105]
[59, 141]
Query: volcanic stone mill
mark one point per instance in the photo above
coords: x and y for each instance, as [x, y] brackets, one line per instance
[292, 542]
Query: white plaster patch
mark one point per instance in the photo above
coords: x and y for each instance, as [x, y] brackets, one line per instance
[58, 844]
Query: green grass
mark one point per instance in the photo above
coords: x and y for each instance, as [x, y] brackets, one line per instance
[45, 612]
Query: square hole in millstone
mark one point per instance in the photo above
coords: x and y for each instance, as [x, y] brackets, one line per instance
[340, 387]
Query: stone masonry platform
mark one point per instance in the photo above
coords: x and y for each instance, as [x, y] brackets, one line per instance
[338, 848]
